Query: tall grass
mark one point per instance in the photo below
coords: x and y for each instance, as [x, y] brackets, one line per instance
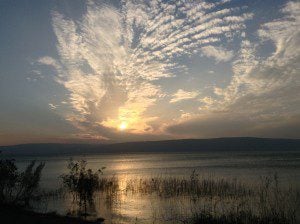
[267, 204]
[193, 186]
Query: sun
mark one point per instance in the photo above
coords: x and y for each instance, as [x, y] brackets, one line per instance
[122, 126]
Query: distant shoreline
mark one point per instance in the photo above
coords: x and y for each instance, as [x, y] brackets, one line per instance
[182, 145]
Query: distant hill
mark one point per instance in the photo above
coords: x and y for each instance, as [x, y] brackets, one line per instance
[184, 145]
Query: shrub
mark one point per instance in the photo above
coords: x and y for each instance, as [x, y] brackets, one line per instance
[81, 182]
[19, 187]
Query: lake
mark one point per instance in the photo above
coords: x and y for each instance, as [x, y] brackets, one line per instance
[247, 167]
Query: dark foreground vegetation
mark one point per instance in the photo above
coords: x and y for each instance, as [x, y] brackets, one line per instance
[238, 217]
[204, 199]
[19, 189]
[19, 215]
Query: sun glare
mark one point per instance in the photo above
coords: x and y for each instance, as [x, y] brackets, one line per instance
[123, 126]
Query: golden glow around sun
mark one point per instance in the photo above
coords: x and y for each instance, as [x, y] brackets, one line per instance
[122, 126]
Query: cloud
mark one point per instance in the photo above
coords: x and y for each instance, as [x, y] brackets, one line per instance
[262, 98]
[52, 106]
[109, 58]
[112, 60]
[49, 61]
[183, 95]
[207, 102]
[234, 125]
[218, 53]
[253, 74]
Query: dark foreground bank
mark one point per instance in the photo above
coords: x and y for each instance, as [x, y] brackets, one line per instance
[17, 215]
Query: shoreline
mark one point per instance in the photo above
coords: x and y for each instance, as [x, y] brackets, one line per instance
[18, 215]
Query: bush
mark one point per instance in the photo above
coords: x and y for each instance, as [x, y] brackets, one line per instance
[19, 187]
[81, 182]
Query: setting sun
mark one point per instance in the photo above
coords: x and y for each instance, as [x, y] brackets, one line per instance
[123, 126]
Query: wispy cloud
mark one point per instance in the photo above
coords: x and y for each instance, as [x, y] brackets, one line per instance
[49, 61]
[259, 75]
[218, 53]
[183, 95]
[52, 106]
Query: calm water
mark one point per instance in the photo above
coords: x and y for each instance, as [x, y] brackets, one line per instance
[247, 167]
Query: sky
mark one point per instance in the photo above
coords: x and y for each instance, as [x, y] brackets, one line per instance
[137, 70]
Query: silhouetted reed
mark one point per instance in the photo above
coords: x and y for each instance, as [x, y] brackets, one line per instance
[193, 186]
[268, 204]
